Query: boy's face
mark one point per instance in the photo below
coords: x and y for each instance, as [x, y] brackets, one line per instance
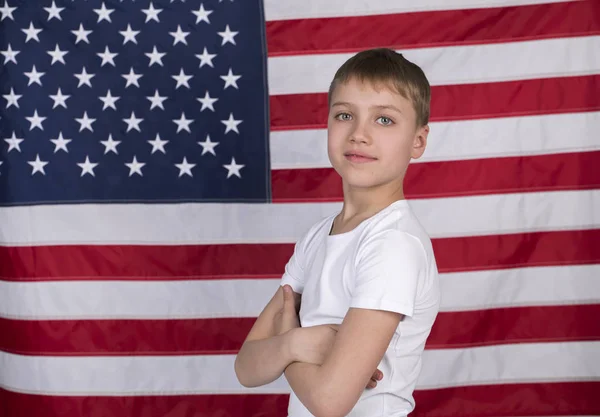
[372, 135]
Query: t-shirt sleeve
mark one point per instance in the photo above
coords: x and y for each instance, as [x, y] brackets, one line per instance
[388, 269]
[294, 272]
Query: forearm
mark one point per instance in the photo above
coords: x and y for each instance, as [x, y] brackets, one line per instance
[313, 389]
[262, 361]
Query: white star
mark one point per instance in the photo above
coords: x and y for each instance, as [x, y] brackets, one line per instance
[34, 76]
[201, 14]
[133, 122]
[54, 11]
[179, 36]
[156, 100]
[57, 55]
[206, 58]
[10, 55]
[227, 36]
[151, 13]
[36, 121]
[230, 79]
[82, 34]
[107, 57]
[12, 98]
[32, 33]
[207, 102]
[110, 145]
[182, 79]
[85, 122]
[84, 78]
[104, 13]
[155, 57]
[129, 35]
[233, 168]
[7, 11]
[158, 144]
[208, 146]
[132, 78]
[185, 167]
[135, 167]
[14, 143]
[109, 101]
[59, 99]
[87, 167]
[183, 123]
[231, 124]
[60, 143]
[38, 165]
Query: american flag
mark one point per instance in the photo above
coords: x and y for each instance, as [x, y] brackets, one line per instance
[158, 160]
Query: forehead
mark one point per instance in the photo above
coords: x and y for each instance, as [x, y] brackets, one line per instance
[367, 93]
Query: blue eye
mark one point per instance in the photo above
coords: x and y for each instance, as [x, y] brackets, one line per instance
[386, 121]
[343, 116]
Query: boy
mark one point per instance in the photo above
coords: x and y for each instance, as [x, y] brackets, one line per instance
[365, 280]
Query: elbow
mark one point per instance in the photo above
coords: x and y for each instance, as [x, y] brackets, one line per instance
[330, 410]
[334, 404]
[242, 376]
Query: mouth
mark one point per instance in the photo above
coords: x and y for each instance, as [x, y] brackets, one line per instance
[358, 157]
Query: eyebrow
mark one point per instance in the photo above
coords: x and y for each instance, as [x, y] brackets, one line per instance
[380, 107]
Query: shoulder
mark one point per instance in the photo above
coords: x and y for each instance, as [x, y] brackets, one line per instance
[396, 233]
[315, 233]
[392, 248]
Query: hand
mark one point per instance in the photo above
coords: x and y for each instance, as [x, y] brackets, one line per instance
[286, 319]
[313, 344]
[377, 376]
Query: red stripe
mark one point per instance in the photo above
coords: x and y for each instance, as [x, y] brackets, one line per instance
[422, 29]
[225, 336]
[470, 177]
[129, 262]
[504, 326]
[534, 399]
[461, 102]
[517, 250]
[498, 400]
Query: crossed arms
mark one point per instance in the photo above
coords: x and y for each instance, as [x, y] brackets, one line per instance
[327, 366]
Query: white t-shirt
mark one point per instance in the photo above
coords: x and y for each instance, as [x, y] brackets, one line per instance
[385, 263]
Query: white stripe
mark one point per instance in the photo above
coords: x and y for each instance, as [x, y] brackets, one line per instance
[460, 140]
[543, 362]
[240, 223]
[520, 287]
[80, 300]
[294, 9]
[452, 65]
[168, 375]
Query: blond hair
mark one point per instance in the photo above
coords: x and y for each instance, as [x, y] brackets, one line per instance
[388, 67]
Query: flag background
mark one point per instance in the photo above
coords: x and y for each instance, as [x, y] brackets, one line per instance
[135, 304]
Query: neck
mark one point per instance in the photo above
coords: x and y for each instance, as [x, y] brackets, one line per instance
[365, 202]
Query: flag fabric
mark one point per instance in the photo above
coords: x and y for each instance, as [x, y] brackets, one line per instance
[159, 159]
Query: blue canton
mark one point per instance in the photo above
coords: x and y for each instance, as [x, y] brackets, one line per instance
[133, 101]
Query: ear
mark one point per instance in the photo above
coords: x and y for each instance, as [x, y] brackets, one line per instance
[419, 142]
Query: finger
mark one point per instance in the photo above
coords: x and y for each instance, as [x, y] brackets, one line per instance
[288, 299]
[371, 384]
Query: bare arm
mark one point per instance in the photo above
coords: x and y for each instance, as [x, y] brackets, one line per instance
[333, 388]
[264, 354]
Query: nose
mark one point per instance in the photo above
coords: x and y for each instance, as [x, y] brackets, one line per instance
[360, 133]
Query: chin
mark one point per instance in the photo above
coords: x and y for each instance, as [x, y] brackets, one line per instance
[367, 179]
[361, 181]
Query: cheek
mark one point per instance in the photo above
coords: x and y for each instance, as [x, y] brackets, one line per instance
[335, 137]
